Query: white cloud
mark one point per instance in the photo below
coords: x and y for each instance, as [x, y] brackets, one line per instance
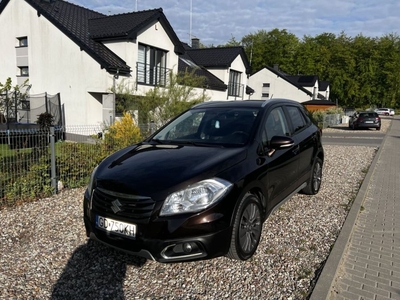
[215, 22]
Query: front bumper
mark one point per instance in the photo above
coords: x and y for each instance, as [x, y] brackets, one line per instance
[170, 239]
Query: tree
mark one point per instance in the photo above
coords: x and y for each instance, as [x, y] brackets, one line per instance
[269, 48]
[10, 99]
[161, 103]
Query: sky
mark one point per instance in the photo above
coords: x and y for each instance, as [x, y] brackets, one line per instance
[215, 22]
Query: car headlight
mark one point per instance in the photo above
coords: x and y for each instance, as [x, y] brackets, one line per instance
[195, 197]
[91, 182]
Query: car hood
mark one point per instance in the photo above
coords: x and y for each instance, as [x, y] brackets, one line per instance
[158, 170]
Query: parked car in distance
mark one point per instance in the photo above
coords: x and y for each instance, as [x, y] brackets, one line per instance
[203, 185]
[365, 119]
[385, 111]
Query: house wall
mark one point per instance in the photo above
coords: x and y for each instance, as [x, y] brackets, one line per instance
[155, 36]
[279, 87]
[55, 64]
[223, 74]
[313, 89]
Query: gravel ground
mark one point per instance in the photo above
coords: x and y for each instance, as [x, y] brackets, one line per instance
[45, 253]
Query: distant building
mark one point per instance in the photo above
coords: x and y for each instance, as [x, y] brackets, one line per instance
[270, 82]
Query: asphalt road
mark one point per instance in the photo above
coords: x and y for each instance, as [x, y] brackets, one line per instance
[360, 137]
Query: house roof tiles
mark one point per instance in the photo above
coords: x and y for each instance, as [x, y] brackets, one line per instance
[122, 25]
[220, 57]
[211, 81]
[88, 28]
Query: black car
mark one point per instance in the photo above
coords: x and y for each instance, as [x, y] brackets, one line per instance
[203, 185]
[365, 119]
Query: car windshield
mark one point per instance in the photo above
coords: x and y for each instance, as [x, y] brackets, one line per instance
[220, 126]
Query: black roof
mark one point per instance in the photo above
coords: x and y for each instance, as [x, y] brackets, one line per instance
[323, 85]
[211, 81]
[286, 77]
[88, 28]
[218, 57]
[303, 80]
[197, 60]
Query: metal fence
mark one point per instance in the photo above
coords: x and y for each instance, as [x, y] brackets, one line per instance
[36, 163]
[331, 120]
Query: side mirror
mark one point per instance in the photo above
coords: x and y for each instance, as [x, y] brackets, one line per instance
[281, 142]
[277, 143]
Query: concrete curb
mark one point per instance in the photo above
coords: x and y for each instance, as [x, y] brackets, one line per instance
[326, 279]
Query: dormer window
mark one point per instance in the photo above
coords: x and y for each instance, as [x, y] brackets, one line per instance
[22, 41]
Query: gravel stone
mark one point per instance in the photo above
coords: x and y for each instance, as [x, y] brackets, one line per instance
[45, 253]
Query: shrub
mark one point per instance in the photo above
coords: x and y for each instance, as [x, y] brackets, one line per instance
[121, 134]
[75, 162]
[34, 184]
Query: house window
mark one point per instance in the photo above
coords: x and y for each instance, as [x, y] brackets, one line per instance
[151, 66]
[234, 85]
[23, 71]
[22, 41]
[265, 95]
[266, 85]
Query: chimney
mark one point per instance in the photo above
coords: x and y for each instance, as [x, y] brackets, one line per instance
[195, 43]
[276, 67]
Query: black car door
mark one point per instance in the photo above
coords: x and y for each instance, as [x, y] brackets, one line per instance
[304, 136]
[279, 171]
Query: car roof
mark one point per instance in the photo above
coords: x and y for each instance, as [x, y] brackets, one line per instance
[245, 103]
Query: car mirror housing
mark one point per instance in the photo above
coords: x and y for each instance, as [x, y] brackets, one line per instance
[281, 142]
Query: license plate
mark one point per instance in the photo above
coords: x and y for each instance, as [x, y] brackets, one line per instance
[369, 122]
[116, 227]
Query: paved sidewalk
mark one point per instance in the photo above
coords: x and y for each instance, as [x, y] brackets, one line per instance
[365, 260]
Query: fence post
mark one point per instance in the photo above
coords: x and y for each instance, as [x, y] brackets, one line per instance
[53, 160]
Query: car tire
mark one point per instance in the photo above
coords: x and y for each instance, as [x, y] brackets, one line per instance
[247, 227]
[314, 183]
[378, 128]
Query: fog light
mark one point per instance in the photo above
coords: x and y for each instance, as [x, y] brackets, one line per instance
[187, 247]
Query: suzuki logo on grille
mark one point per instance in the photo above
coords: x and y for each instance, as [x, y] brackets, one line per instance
[116, 206]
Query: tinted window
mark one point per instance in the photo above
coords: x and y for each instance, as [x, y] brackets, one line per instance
[212, 125]
[369, 115]
[297, 118]
[275, 124]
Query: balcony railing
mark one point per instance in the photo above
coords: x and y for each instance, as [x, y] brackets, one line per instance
[151, 75]
[235, 89]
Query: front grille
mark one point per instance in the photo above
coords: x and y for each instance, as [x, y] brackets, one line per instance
[137, 208]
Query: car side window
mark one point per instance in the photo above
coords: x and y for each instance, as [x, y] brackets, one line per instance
[275, 125]
[297, 118]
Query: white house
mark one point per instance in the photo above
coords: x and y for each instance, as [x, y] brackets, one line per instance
[272, 83]
[81, 54]
[228, 66]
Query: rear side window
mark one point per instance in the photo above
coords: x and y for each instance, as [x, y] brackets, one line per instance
[297, 118]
